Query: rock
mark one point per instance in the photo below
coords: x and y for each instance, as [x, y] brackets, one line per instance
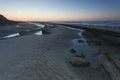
[80, 55]
[72, 51]
[45, 31]
[80, 40]
[22, 33]
[4, 20]
[79, 62]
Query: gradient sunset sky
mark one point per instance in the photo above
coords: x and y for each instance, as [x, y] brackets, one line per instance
[60, 10]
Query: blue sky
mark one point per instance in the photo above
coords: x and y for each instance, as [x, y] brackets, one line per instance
[59, 10]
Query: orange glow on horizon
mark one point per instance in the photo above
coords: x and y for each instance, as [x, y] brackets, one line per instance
[22, 17]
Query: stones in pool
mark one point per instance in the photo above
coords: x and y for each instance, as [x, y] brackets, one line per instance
[79, 62]
[72, 50]
[80, 40]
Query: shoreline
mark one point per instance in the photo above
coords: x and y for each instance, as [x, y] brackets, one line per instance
[94, 29]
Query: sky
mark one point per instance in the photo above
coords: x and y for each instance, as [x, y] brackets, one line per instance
[61, 10]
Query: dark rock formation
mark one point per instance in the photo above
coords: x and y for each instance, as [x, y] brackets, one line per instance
[72, 51]
[80, 40]
[4, 20]
[80, 55]
[110, 66]
[79, 62]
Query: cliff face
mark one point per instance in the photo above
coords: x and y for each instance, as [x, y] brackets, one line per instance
[5, 21]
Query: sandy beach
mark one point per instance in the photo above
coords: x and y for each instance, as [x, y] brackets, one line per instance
[59, 40]
[35, 57]
[51, 55]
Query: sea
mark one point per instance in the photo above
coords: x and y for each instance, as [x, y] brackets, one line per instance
[99, 23]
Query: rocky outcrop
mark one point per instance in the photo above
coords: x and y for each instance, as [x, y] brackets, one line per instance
[4, 20]
[72, 50]
[110, 66]
[80, 40]
[107, 47]
[79, 62]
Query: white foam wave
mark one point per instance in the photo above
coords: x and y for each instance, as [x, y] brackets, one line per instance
[37, 24]
[12, 35]
[38, 33]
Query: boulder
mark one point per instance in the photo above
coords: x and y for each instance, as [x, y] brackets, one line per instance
[72, 51]
[79, 62]
[80, 55]
[22, 33]
[80, 40]
[45, 31]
